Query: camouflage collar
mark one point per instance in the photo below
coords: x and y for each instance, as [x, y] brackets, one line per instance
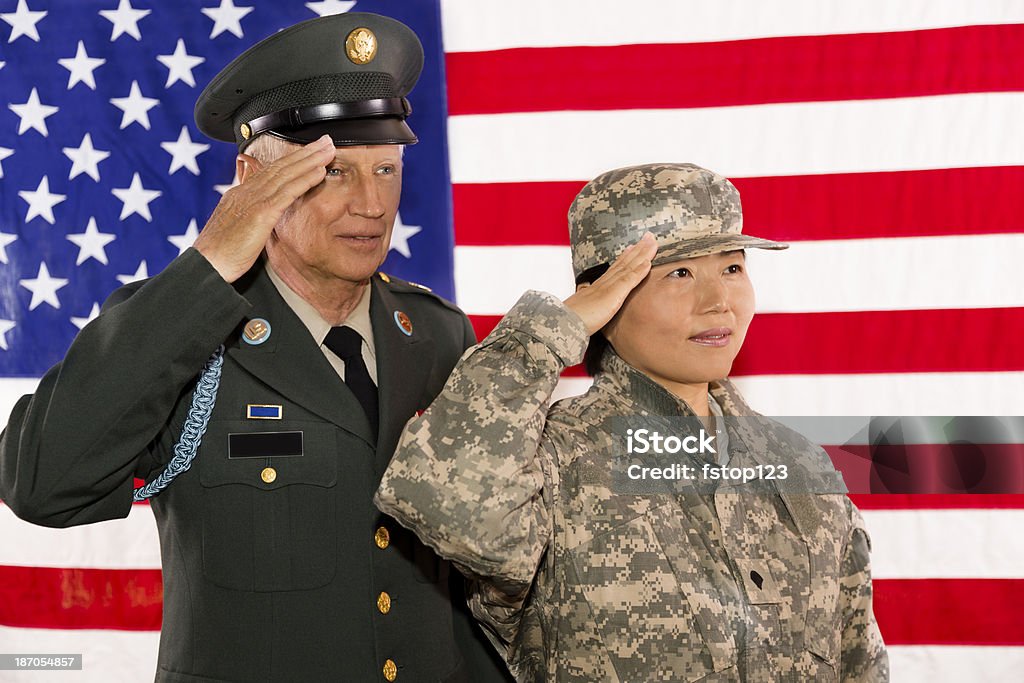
[645, 394]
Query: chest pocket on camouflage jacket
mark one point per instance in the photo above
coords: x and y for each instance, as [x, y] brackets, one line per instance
[656, 602]
[788, 557]
[662, 598]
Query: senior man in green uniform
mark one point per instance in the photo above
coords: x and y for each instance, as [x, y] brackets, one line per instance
[276, 565]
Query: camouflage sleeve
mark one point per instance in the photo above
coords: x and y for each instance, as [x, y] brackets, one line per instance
[471, 476]
[864, 657]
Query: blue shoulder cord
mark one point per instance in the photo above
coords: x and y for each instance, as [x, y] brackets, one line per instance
[195, 426]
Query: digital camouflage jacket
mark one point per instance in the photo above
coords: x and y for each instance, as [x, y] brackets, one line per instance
[578, 581]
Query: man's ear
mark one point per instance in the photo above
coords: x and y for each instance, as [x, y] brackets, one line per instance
[245, 166]
[582, 285]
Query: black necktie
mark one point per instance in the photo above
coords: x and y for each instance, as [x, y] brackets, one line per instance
[347, 345]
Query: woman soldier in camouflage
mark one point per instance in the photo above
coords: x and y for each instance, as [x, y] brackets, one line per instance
[579, 579]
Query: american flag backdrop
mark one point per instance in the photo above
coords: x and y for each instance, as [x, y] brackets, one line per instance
[883, 139]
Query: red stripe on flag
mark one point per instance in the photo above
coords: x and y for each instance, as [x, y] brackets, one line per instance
[497, 214]
[45, 597]
[950, 611]
[880, 342]
[787, 69]
[938, 501]
[925, 501]
[483, 324]
[960, 467]
[946, 611]
[139, 483]
[959, 201]
[956, 201]
[867, 342]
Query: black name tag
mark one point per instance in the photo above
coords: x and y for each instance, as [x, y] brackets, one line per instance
[264, 444]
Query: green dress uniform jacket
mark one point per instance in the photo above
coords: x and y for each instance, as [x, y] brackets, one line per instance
[579, 581]
[298, 578]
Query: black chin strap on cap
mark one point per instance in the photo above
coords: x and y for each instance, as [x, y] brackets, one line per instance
[397, 107]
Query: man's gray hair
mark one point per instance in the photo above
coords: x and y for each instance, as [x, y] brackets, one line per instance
[269, 148]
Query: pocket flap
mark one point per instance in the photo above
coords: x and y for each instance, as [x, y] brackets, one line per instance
[298, 453]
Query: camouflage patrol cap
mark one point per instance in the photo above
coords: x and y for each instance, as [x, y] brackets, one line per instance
[690, 210]
[346, 75]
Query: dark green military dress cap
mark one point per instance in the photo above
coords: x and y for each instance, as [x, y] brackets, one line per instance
[690, 210]
[346, 75]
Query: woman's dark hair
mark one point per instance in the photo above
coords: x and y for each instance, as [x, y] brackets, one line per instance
[598, 342]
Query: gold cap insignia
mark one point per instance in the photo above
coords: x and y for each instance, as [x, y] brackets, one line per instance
[361, 46]
[246, 131]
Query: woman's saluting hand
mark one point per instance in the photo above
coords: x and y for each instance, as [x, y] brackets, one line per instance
[596, 304]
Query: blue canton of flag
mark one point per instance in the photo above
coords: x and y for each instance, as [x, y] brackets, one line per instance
[104, 178]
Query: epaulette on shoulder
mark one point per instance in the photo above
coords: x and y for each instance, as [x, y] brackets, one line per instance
[396, 284]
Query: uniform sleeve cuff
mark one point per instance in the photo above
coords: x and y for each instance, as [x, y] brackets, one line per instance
[545, 318]
[191, 291]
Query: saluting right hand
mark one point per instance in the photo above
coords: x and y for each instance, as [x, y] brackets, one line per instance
[243, 220]
[596, 304]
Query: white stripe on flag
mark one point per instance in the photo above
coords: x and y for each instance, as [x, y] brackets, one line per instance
[11, 389]
[955, 664]
[936, 393]
[865, 430]
[106, 655]
[943, 131]
[471, 25]
[130, 543]
[489, 280]
[932, 393]
[132, 656]
[946, 544]
[909, 273]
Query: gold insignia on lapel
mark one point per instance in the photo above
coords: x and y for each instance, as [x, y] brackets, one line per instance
[384, 277]
[256, 331]
[361, 46]
[423, 287]
[404, 323]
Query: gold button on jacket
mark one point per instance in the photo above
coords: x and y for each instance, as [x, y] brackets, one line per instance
[382, 538]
